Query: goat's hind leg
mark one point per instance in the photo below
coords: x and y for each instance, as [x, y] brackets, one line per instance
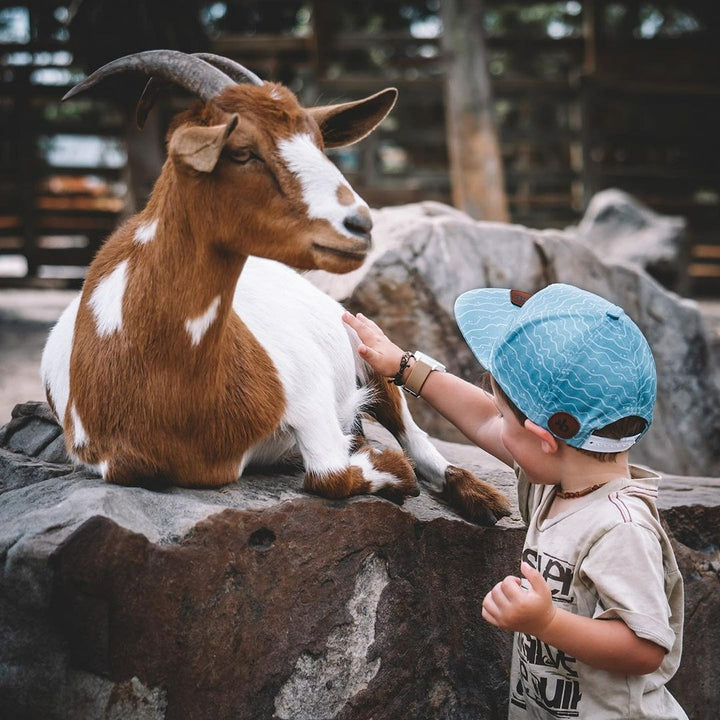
[339, 465]
[471, 498]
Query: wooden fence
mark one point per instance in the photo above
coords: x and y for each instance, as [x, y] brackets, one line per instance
[574, 115]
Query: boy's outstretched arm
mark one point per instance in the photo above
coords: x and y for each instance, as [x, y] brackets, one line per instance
[466, 406]
[604, 644]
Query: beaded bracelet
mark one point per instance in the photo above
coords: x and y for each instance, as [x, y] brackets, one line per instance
[398, 379]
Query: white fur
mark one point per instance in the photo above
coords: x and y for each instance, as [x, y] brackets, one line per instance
[80, 436]
[429, 463]
[106, 302]
[319, 179]
[315, 355]
[314, 359]
[378, 479]
[197, 327]
[55, 363]
[145, 232]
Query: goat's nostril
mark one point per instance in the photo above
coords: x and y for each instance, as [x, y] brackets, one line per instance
[358, 223]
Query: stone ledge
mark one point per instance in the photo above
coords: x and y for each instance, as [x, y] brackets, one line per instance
[260, 601]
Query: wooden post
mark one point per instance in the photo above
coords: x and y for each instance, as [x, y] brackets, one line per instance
[476, 171]
[590, 91]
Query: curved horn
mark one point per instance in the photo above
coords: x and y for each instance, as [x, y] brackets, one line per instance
[191, 73]
[235, 71]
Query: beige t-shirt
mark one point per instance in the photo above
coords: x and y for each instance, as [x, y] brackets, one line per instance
[605, 557]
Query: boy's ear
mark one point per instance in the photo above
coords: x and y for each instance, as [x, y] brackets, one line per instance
[548, 440]
[198, 147]
[347, 123]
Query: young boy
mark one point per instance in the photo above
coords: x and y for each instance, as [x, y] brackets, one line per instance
[598, 618]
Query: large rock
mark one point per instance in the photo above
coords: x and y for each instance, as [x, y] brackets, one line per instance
[622, 229]
[258, 601]
[426, 254]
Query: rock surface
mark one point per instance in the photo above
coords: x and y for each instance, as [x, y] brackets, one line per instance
[621, 229]
[258, 601]
[427, 254]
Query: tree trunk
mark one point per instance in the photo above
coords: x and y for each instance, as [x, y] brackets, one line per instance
[476, 170]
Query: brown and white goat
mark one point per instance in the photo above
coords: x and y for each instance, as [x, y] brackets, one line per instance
[184, 359]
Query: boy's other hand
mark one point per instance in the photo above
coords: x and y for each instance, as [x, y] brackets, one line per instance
[376, 348]
[512, 607]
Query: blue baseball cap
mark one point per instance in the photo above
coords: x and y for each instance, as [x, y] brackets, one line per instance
[571, 361]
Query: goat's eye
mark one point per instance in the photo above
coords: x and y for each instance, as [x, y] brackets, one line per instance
[241, 155]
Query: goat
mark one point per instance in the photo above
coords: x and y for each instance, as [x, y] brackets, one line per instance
[184, 360]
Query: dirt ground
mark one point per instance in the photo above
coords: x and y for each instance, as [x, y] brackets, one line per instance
[26, 317]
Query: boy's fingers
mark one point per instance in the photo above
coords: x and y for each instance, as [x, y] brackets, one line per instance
[533, 576]
[370, 323]
[351, 320]
[489, 604]
[367, 352]
[511, 587]
[502, 599]
[489, 616]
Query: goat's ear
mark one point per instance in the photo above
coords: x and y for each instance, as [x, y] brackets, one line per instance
[347, 123]
[198, 147]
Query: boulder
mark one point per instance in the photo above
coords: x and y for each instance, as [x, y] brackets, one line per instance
[621, 229]
[427, 254]
[259, 601]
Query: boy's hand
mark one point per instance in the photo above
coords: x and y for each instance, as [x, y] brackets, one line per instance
[512, 607]
[376, 349]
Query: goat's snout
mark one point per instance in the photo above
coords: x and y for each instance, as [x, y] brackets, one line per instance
[359, 223]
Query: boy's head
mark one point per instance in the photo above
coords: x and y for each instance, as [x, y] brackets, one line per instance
[569, 360]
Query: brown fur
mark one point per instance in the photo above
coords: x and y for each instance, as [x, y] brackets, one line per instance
[398, 465]
[338, 484]
[173, 414]
[344, 195]
[386, 404]
[350, 481]
[155, 407]
[473, 499]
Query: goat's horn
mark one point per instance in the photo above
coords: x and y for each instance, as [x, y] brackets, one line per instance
[235, 71]
[191, 73]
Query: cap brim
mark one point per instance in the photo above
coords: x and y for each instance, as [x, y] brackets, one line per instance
[483, 315]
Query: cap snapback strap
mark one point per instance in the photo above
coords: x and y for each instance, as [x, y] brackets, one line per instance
[596, 443]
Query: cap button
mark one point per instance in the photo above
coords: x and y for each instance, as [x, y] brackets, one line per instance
[614, 312]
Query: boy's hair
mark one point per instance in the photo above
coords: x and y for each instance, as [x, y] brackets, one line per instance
[632, 425]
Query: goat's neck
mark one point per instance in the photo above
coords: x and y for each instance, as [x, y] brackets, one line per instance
[186, 281]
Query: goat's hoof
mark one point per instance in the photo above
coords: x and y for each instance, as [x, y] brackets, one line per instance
[473, 499]
[397, 465]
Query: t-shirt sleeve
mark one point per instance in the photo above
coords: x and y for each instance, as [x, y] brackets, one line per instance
[625, 570]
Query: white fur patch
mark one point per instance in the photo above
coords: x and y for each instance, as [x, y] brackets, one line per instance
[314, 358]
[197, 327]
[107, 300]
[145, 232]
[378, 479]
[80, 436]
[429, 462]
[55, 365]
[319, 180]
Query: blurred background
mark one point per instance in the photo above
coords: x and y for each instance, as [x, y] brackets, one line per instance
[511, 110]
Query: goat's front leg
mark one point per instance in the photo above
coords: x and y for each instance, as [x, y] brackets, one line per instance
[338, 465]
[470, 497]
